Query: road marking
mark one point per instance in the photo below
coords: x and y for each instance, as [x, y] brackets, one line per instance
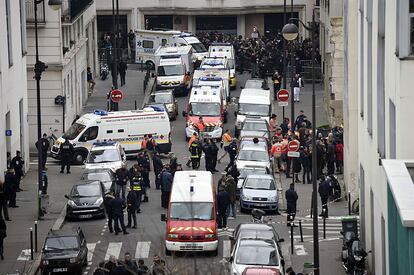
[142, 250]
[300, 250]
[25, 255]
[113, 249]
[91, 249]
[226, 248]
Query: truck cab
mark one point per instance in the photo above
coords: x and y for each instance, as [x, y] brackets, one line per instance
[191, 218]
[207, 102]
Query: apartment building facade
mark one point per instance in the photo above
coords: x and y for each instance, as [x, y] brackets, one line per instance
[13, 91]
[67, 44]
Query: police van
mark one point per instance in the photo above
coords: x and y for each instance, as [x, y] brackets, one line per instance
[191, 217]
[125, 127]
[225, 50]
[213, 77]
[207, 102]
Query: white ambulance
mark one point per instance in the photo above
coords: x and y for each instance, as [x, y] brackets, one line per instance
[225, 50]
[206, 102]
[125, 127]
[212, 77]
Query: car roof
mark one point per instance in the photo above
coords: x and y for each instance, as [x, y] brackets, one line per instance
[251, 147]
[252, 119]
[87, 182]
[96, 170]
[198, 181]
[261, 176]
[103, 146]
[261, 271]
[63, 232]
[256, 241]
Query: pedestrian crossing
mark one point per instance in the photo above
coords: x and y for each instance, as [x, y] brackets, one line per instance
[332, 230]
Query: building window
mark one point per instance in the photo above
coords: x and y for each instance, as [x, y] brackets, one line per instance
[362, 203]
[405, 28]
[147, 44]
[372, 233]
[411, 15]
[361, 59]
[9, 34]
[380, 79]
[23, 36]
[392, 131]
[369, 67]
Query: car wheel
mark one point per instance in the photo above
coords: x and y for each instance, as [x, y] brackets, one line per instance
[167, 252]
[150, 65]
[45, 272]
[79, 157]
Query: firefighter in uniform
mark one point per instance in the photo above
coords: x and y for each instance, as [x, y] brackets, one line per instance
[66, 152]
[137, 185]
[193, 137]
[195, 153]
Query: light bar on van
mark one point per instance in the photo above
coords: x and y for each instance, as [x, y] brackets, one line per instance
[209, 78]
[100, 112]
[207, 86]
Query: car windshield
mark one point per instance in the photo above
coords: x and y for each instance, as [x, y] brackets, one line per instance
[255, 126]
[102, 176]
[86, 190]
[199, 47]
[254, 109]
[191, 211]
[253, 155]
[104, 155]
[205, 109]
[73, 131]
[257, 253]
[160, 98]
[253, 84]
[170, 70]
[261, 184]
[61, 243]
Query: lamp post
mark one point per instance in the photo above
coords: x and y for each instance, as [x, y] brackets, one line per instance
[39, 68]
[290, 32]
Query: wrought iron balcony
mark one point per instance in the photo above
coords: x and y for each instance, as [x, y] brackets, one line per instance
[71, 9]
[30, 15]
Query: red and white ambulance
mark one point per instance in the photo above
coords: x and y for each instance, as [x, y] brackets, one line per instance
[191, 218]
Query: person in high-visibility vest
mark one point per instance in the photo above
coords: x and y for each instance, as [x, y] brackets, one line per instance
[276, 152]
[284, 156]
[200, 125]
[225, 142]
[193, 137]
[195, 153]
[144, 143]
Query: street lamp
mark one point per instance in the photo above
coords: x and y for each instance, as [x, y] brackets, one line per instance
[290, 32]
[39, 68]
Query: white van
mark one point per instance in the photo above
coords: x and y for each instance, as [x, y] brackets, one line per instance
[225, 50]
[212, 77]
[191, 218]
[253, 103]
[125, 127]
[199, 50]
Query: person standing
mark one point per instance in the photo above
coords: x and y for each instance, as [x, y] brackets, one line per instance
[122, 68]
[90, 80]
[17, 164]
[173, 163]
[299, 120]
[144, 162]
[3, 202]
[233, 148]
[132, 207]
[122, 177]
[44, 147]
[157, 165]
[339, 157]
[10, 183]
[291, 201]
[166, 180]
[306, 160]
[223, 201]
[66, 153]
[151, 146]
[225, 142]
[190, 141]
[285, 126]
[277, 80]
[195, 153]
[276, 153]
[131, 42]
[324, 193]
[230, 187]
[137, 184]
[331, 157]
[3, 235]
[130, 265]
[109, 197]
[158, 266]
[118, 205]
[207, 154]
[214, 152]
[273, 124]
[320, 157]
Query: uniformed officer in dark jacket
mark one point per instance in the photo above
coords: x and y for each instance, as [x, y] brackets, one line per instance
[196, 152]
[223, 201]
[232, 151]
[214, 152]
[109, 197]
[66, 152]
[144, 161]
[207, 154]
[3, 202]
[137, 184]
[291, 199]
[45, 146]
[166, 180]
[118, 205]
[132, 207]
[122, 177]
[157, 164]
[10, 183]
[324, 193]
[173, 164]
[17, 164]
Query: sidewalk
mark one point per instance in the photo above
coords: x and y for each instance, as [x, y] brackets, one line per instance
[17, 243]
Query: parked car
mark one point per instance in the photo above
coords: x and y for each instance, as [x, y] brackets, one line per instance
[85, 200]
[64, 251]
[253, 155]
[165, 97]
[264, 231]
[248, 170]
[261, 271]
[255, 127]
[259, 191]
[106, 154]
[256, 83]
[106, 176]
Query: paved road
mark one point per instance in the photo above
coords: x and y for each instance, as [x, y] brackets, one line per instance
[147, 240]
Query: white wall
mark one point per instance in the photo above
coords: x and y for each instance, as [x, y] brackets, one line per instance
[12, 88]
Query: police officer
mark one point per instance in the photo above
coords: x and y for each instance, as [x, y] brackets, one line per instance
[137, 185]
[207, 154]
[132, 207]
[10, 183]
[214, 152]
[66, 152]
[232, 152]
[17, 164]
[157, 164]
[109, 197]
[118, 205]
[166, 179]
[144, 162]
[291, 199]
[195, 151]
[45, 146]
[324, 193]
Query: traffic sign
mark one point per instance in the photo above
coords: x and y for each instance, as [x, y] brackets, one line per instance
[116, 95]
[293, 148]
[8, 133]
[293, 154]
[283, 95]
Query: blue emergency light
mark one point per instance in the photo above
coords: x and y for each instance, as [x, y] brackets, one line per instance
[99, 112]
[156, 108]
[104, 143]
[192, 186]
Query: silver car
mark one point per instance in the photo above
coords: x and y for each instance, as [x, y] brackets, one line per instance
[253, 155]
[165, 97]
[259, 191]
[255, 127]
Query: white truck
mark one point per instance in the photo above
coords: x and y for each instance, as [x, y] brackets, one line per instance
[148, 41]
[174, 67]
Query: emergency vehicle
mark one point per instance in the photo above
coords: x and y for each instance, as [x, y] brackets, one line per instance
[191, 218]
[125, 127]
[225, 50]
[174, 67]
[207, 102]
[213, 77]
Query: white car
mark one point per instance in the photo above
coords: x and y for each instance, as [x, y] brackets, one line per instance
[105, 155]
[259, 191]
[253, 155]
[255, 252]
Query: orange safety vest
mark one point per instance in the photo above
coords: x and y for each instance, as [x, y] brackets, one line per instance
[200, 126]
[226, 139]
[191, 140]
[276, 150]
[144, 144]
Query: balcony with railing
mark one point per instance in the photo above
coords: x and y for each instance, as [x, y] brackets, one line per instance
[30, 12]
[71, 9]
